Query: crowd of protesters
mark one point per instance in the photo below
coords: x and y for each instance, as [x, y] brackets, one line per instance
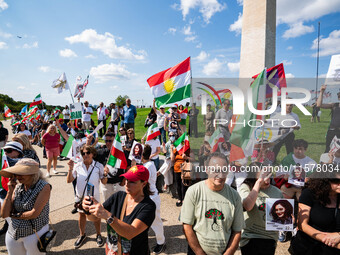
[220, 211]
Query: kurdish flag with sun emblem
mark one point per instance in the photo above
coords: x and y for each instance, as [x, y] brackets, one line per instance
[172, 85]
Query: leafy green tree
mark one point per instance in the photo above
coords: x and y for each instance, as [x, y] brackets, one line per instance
[120, 100]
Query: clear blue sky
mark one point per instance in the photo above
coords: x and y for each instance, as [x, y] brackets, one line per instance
[122, 43]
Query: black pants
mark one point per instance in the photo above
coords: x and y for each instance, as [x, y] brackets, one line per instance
[101, 133]
[329, 137]
[288, 142]
[193, 128]
[258, 246]
[181, 189]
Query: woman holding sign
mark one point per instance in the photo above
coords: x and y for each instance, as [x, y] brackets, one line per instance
[254, 191]
[89, 174]
[51, 141]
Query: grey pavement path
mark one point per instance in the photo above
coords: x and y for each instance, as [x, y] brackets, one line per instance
[66, 224]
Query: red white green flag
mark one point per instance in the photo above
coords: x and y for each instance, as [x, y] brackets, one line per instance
[4, 164]
[242, 139]
[38, 117]
[8, 112]
[215, 139]
[182, 144]
[117, 157]
[171, 85]
[16, 123]
[37, 100]
[153, 131]
[183, 114]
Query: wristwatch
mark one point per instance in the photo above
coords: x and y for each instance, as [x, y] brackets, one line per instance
[110, 220]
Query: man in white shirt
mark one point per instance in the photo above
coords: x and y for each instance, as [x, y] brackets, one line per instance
[286, 122]
[161, 116]
[157, 225]
[66, 114]
[87, 112]
[102, 113]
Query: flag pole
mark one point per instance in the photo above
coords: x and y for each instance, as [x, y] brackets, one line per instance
[71, 94]
[317, 64]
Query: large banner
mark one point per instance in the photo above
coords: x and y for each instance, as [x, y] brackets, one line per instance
[76, 111]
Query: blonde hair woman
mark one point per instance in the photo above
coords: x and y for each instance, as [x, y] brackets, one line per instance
[28, 150]
[27, 203]
[51, 141]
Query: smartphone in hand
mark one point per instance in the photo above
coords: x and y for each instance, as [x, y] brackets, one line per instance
[90, 190]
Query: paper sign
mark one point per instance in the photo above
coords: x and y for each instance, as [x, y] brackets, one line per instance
[76, 146]
[333, 75]
[136, 152]
[335, 145]
[97, 128]
[297, 175]
[279, 214]
[76, 111]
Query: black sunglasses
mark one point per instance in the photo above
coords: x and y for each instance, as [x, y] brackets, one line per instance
[171, 135]
[85, 152]
[121, 130]
[108, 141]
[8, 150]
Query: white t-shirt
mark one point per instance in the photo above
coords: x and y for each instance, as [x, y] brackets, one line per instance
[87, 117]
[101, 113]
[154, 143]
[306, 163]
[80, 172]
[161, 118]
[66, 113]
[285, 120]
[114, 114]
[26, 132]
[152, 176]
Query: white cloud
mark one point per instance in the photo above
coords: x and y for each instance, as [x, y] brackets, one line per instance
[5, 35]
[44, 69]
[3, 5]
[207, 8]
[187, 30]
[114, 87]
[21, 87]
[234, 67]
[213, 67]
[289, 47]
[237, 25]
[202, 56]
[297, 29]
[290, 75]
[30, 46]
[90, 56]
[3, 46]
[67, 53]
[190, 38]
[190, 35]
[198, 46]
[329, 45]
[286, 62]
[105, 43]
[107, 72]
[292, 11]
[240, 2]
[172, 30]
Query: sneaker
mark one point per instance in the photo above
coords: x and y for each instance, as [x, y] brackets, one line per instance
[282, 236]
[179, 203]
[80, 240]
[159, 248]
[48, 175]
[74, 211]
[100, 241]
[55, 171]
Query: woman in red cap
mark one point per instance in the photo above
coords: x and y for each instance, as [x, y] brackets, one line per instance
[128, 214]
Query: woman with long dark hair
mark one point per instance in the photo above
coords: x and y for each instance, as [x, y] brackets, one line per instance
[282, 212]
[319, 216]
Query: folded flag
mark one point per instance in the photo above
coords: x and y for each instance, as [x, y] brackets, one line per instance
[8, 112]
[153, 131]
[117, 157]
[216, 138]
[171, 85]
[61, 83]
[23, 110]
[37, 100]
[182, 144]
[4, 164]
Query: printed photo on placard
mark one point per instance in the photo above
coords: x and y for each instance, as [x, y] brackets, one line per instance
[297, 175]
[279, 214]
[136, 152]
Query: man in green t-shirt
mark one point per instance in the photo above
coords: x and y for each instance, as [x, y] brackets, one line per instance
[212, 212]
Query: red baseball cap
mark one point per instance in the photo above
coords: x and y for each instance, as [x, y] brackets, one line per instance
[137, 173]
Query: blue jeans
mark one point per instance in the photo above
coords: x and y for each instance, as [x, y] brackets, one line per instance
[163, 135]
[156, 161]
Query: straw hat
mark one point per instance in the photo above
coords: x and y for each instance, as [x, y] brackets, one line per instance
[25, 166]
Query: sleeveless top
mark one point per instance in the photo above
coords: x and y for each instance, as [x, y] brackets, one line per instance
[335, 120]
[23, 202]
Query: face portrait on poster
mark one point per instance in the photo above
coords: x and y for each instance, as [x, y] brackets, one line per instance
[136, 152]
[297, 175]
[279, 214]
